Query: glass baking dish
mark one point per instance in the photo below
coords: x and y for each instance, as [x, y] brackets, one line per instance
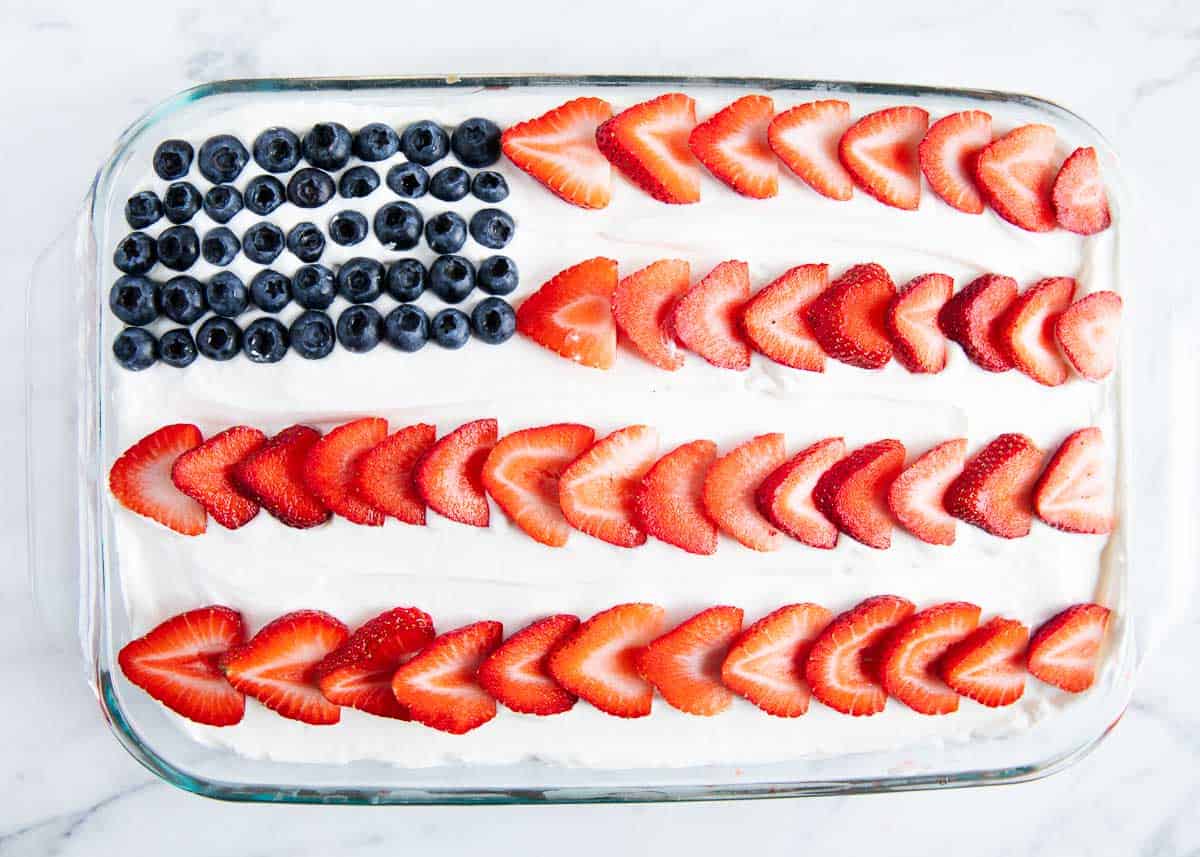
[79, 591]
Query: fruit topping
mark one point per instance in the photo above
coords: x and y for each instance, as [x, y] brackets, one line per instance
[880, 153]
[136, 253]
[424, 142]
[205, 474]
[642, 305]
[182, 299]
[219, 339]
[274, 476]
[312, 335]
[181, 201]
[786, 496]
[263, 194]
[766, 663]
[398, 226]
[439, 687]
[849, 318]
[1074, 493]
[327, 146]
[360, 280]
[517, 674]
[806, 139]
[730, 486]
[853, 493]
[684, 664]
[971, 318]
[732, 145]
[262, 242]
[406, 279]
[407, 328]
[222, 202]
[774, 319]
[446, 232]
[649, 144]
[276, 150]
[331, 467]
[140, 479]
[498, 275]
[1027, 330]
[1080, 203]
[476, 142]
[451, 278]
[358, 182]
[450, 184]
[559, 150]
[177, 348]
[988, 665]
[359, 328]
[385, 475]
[221, 158]
[912, 323]
[134, 299]
[226, 294]
[409, 180]
[492, 228]
[1087, 331]
[265, 340]
[670, 501]
[489, 186]
[172, 159]
[376, 142]
[706, 318]
[917, 496]
[310, 188]
[948, 155]
[1065, 651]
[450, 328]
[572, 313]
[493, 321]
[598, 491]
[135, 349]
[908, 667]
[1015, 174]
[348, 228]
[995, 490]
[450, 476]
[220, 246]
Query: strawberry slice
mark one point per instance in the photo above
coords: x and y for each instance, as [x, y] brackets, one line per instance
[649, 144]
[450, 476]
[642, 304]
[559, 150]
[521, 474]
[971, 318]
[438, 686]
[843, 665]
[730, 486]
[275, 666]
[917, 496]
[331, 466]
[1080, 203]
[988, 666]
[1065, 652]
[774, 319]
[598, 662]
[140, 479]
[853, 493]
[995, 490]
[517, 673]
[911, 652]
[274, 476]
[1087, 331]
[598, 491]
[766, 663]
[848, 318]
[684, 664]
[176, 663]
[706, 318]
[1027, 330]
[358, 674]
[948, 155]
[572, 314]
[786, 496]
[806, 139]
[880, 153]
[1074, 493]
[1016, 174]
[385, 475]
[733, 146]
[670, 501]
[912, 323]
[206, 475]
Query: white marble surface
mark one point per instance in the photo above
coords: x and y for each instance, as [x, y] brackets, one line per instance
[80, 72]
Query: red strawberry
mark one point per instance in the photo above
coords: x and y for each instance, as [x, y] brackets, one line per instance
[917, 497]
[1080, 203]
[598, 491]
[559, 149]
[911, 320]
[948, 156]
[598, 662]
[880, 153]
[275, 666]
[706, 318]
[843, 665]
[439, 687]
[450, 476]
[806, 139]
[766, 663]
[912, 651]
[331, 466]
[989, 665]
[684, 664]
[176, 663]
[521, 474]
[385, 475]
[995, 490]
[1087, 331]
[971, 318]
[1015, 174]
[733, 146]
[642, 304]
[774, 321]
[1027, 330]
[141, 479]
[786, 496]
[848, 318]
[274, 475]
[853, 493]
[670, 501]
[1073, 494]
[572, 314]
[1065, 651]
[206, 475]
[649, 144]
[517, 673]
[730, 486]
[358, 674]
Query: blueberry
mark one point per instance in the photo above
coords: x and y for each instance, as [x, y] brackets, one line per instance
[376, 142]
[450, 184]
[492, 227]
[135, 254]
[489, 186]
[220, 246]
[226, 294]
[398, 225]
[446, 233]
[142, 209]
[424, 142]
[498, 275]
[134, 300]
[407, 327]
[219, 339]
[178, 247]
[264, 194]
[277, 150]
[313, 286]
[406, 279]
[312, 335]
[270, 290]
[360, 280]
[358, 182]
[309, 188]
[451, 278]
[262, 242]
[493, 320]
[135, 349]
[359, 328]
[348, 228]
[182, 299]
[476, 142]
[222, 202]
[306, 241]
[177, 348]
[327, 145]
[222, 158]
[450, 328]
[408, 179]
[181, 201]
[265, 340]
[173, 159]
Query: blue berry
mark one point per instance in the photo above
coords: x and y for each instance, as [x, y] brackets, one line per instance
[359, 328]
[450, 184]
[181, 201]
[220, 246]
[408, 180]
[222, 202]
[360, 280]
[498, 275]
[178, 247]
[398, 226]
[226, 294]
[309, 188]
[222, 158]
[312, 335]
[143, 209]
[407, 327]
[348, 228]
[489, 186]
[450, 328]
[173, 159]
[376, 142]
[277, 150]
[270, 290]
[492, 227]
[135, 349]
[451, 278]
[135, 254]
[476, 142]
[313, 286]
[406, 279]
[264, 194]
[358, 182]
[134, 300]
[424, 142]
[446, 233]
[182, 299]
[219, 339]
[493, 321]
[327, 145]
[265, 340]
[306, 241]
[177, 348]
[262, 242]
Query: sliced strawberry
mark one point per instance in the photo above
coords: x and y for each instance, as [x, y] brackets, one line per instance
[912, 323]
[972, 319]
[913, 649]
[880, 153]
[917, 496]
[1087, 331]
[274, 476]
[948, 155]
[706, 318]
[995, 490]
[385, 475]
[1065, 652]
[140, 479]
[1027, 330]
[572, 314]
[988, 666]
[598, 491]
[559, 150]
[843, 665]
[684, 664]
[733, 146]
[649, 144]
[176, 663]
[275, 666]
[642, 304]
[598, 662]
[438, 686]
[786, 496]
[670, 501]
[1080, 203]
[806, 139]
[774, 319]
[331, 466]
[766, 663]
[517, 673]
[1074, 493]
[1016, 173]
[521, 474]
[450, 476]
[206, 475]
[730, 486]
[848, 318]
[853, 493]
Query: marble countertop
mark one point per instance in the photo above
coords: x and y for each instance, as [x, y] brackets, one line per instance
[80, 72]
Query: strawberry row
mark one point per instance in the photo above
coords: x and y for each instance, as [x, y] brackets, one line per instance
[659, 146]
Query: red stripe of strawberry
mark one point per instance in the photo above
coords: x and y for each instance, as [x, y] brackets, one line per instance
[849, 318]
[806, 139]
[733, 146]
[1065, 651]
[706, 318]
[880, 152]
[670, 501]
[517, 673]
[274, 475]
[684, 664]
[1080, 203]
[949, 153]
[450, 476]
[571, 314]
[988, 666]
[1074, 494]
[1087, 331]
[766, 663]
[913, 650]
[559, 150]
[649, 144]
[642, 306]
[853, 493]
[140, 479]
[598, 491]
[206, 475]
[439, 686]
[774, 319]
[1015, 174]
[730, 486]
